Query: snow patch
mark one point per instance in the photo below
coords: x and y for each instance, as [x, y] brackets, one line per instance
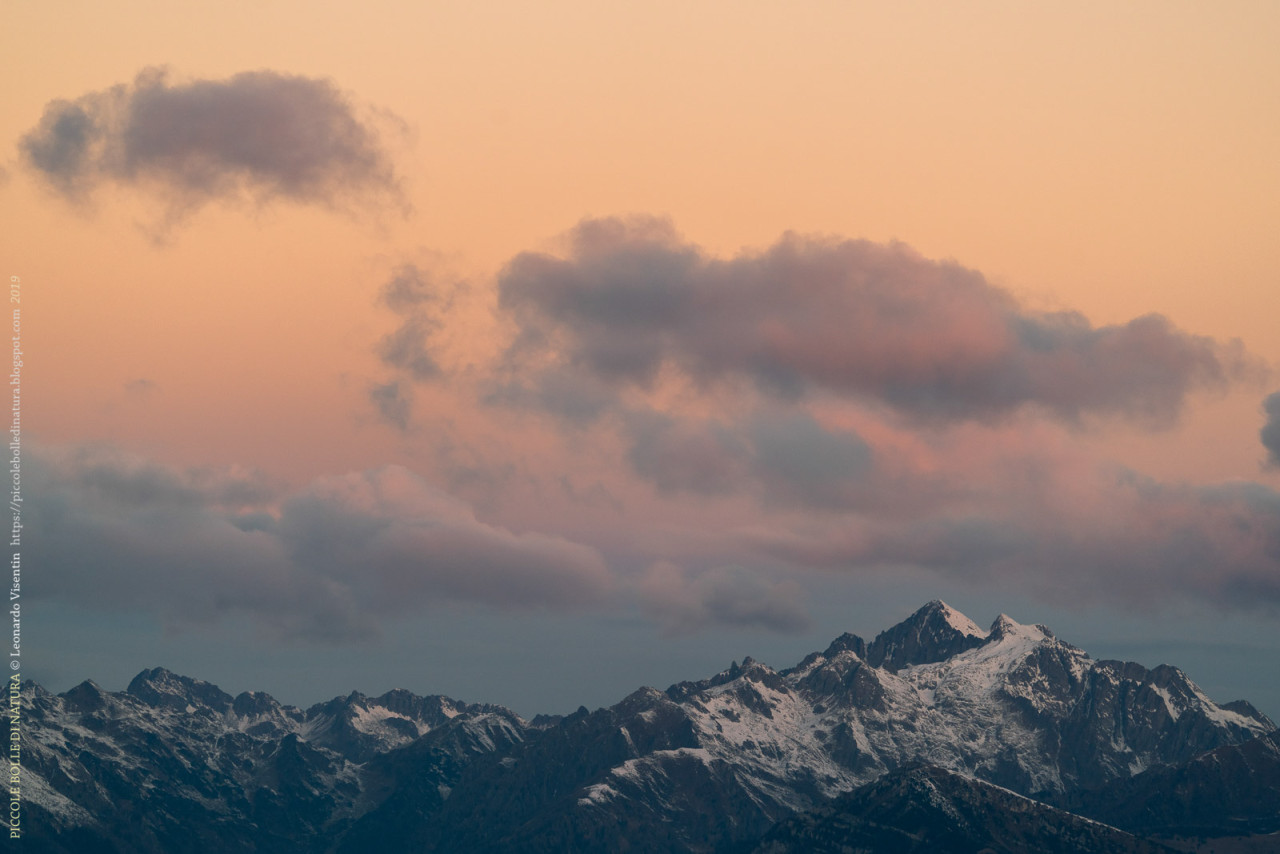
[600, 793]
[1219, 715]
[36, 790]
[960, 622]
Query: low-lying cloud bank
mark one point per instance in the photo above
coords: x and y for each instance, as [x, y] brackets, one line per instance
[1130, 542]
[326, 562]
[264, 134]
[332, 561]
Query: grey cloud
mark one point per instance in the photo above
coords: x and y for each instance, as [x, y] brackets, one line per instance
[59, 146]
[402, 543]
[407, 349]
[1271, 430]
[677, 455]
[408, 289]
[262, 133]
[1140, 544]
[931, 339]
[576, 399]
[394, 403]
[326, 562]
[420, 300]
[798, 461]
[613, 303]
[787, 458]
[107, 475]
[728, 596]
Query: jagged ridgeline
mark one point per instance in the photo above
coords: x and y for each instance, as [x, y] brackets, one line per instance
[937, 734]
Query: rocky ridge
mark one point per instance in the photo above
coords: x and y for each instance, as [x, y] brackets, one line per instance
[702, 766]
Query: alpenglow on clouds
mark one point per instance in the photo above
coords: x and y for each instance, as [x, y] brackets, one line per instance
[856, 406]
[933, 340]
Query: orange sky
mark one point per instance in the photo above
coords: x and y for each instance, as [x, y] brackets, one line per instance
[1113, 160]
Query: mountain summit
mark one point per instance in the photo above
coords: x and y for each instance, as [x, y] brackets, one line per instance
[175, 764]
[934, 633]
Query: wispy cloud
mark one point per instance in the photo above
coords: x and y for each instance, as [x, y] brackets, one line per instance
[1271, 429]
[394, 402]
[421, 300]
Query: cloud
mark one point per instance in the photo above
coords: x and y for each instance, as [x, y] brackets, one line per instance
[141, 387]
[425, 301]
[410, 289]
[723, 596]
[402, 543]
[841, 405]
[394, 402]
[412, 294]
[676, 455]
[326, 562]
[798, 461]
[1271, 430]
[263, 134]
[407, 349]
[331, 561]
[786, 457]
[1129, 540]
[865, 321]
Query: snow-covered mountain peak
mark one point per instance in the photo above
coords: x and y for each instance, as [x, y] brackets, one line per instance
[718, 760]
[1007, 628]
[933, 633]
[161, 688]
[956, 620]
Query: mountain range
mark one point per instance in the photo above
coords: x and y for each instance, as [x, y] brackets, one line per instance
[937, 735]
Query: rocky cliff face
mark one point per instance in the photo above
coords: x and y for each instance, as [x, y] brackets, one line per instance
[1234, 790]
[174, 764]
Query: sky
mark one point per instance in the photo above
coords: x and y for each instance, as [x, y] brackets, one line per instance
[529, 353]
